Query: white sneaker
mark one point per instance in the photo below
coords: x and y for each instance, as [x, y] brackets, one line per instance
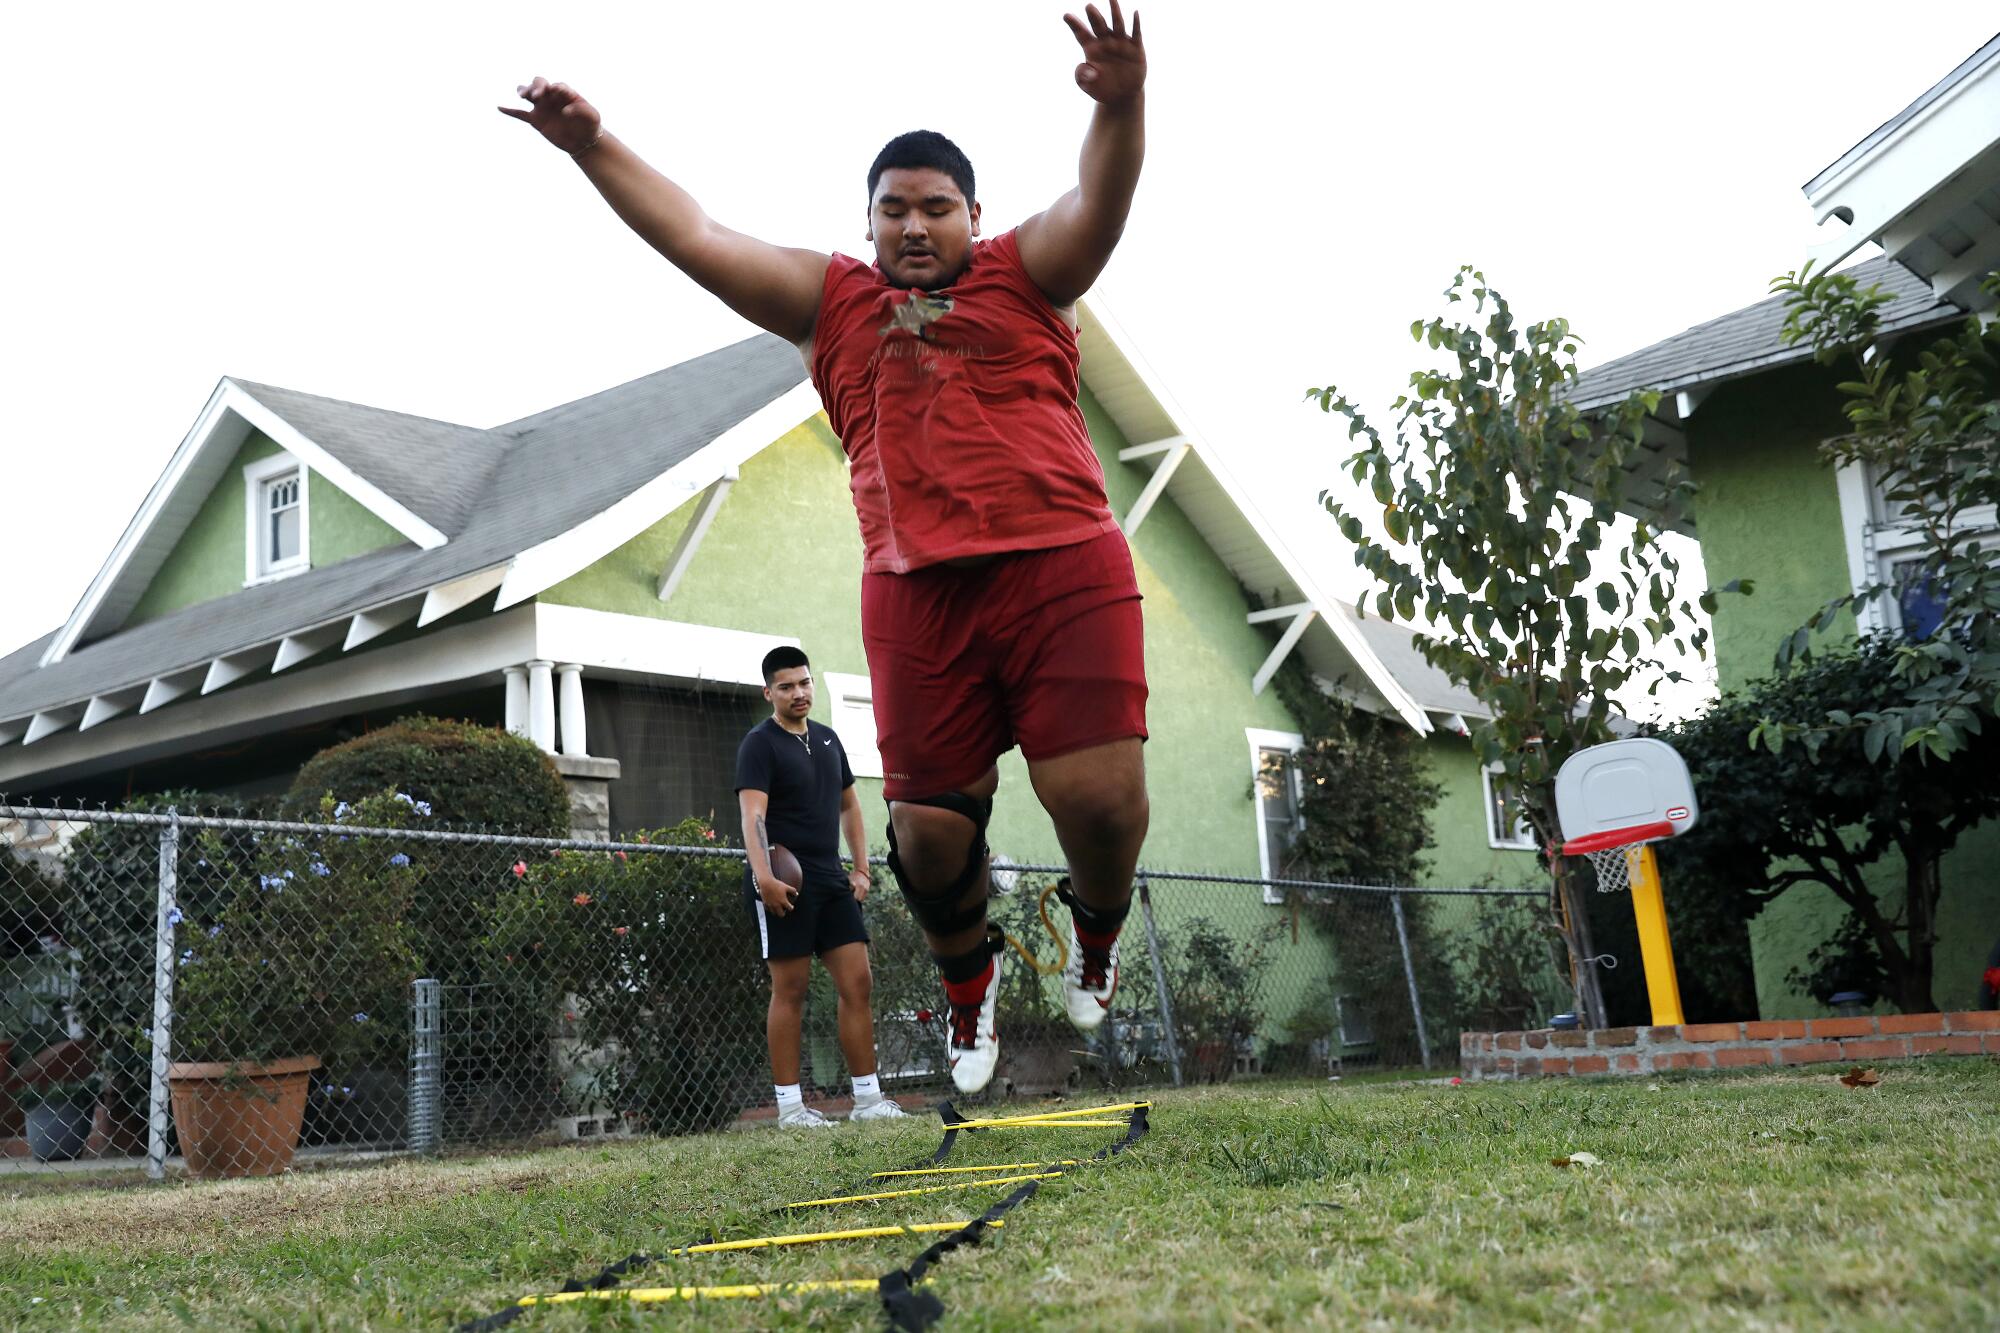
[972, 1037]
[882, 1108]
[803, 1117]
[1089, 982]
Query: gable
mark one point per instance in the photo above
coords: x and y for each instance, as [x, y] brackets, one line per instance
[209, 559]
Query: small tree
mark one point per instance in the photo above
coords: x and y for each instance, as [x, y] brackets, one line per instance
[1497, 496]
[1770, 821]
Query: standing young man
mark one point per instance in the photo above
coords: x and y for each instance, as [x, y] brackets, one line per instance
[998, 601]
[796, 791]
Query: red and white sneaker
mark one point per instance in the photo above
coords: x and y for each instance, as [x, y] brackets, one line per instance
[972, 1036]
[1090, 979]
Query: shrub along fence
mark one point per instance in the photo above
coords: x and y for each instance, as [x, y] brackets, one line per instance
[233, 992]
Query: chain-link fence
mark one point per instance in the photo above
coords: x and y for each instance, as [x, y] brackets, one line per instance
[223, 996]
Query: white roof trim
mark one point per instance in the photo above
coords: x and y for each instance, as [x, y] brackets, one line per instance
[1894, 170]
[543, 566]
[1333, 611]
[229, 398]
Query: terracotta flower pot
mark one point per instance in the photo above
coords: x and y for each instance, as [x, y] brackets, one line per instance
[239, 1119]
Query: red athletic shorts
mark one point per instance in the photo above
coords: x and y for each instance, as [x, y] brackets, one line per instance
[1040, 648]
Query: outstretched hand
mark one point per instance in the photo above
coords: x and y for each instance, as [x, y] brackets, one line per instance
[560, 113]
[1114, 61]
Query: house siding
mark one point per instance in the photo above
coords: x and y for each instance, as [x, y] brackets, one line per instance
[208, 561]
[1463, 855]
[1768, 509]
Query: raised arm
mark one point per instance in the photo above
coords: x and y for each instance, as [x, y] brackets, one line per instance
[774, 287]
[1066, 246]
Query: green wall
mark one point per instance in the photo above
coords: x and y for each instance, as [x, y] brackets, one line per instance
[342, 527]
[208, 561]
[1463, 857]
[1769, 510]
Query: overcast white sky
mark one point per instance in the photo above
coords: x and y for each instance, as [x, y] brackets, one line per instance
[324, 198]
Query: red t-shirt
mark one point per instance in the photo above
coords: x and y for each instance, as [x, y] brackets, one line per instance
[958, 411]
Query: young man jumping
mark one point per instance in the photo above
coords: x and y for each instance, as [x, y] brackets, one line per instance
[796, 791]
[998, 602]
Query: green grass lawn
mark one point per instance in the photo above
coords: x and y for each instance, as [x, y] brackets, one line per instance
[1772, 1201]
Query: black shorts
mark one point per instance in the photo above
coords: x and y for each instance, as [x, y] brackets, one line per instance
[824, 916]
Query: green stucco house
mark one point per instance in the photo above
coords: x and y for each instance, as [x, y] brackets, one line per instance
[604, 578]
[1745, 413]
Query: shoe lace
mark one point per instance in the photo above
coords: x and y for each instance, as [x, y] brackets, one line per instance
[1096, 967]
[964, 1020]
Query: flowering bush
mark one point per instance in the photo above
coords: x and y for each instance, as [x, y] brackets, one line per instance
[308, 950]
[648, 959]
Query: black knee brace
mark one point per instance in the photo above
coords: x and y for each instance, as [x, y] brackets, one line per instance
[940, 913]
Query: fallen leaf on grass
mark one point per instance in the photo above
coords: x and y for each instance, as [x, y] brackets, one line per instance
[1576, 1159]
[1858, 1077]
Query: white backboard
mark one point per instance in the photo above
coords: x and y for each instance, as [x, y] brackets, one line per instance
[1624, 786]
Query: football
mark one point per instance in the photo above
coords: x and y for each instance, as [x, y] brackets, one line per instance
[786, 867]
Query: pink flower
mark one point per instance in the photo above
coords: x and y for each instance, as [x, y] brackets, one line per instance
[520, 869]
[923, 1015]
[620, 930]
[569, 1015]
[621, 856]
[708, 833]
[1455, 1081]
[581, 900]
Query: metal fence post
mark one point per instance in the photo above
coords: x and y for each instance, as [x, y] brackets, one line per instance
[166, 918]
[426, 1043]
[1160, 979]
[1410, 975]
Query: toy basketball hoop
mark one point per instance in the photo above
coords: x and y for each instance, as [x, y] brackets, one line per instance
[1614, 799]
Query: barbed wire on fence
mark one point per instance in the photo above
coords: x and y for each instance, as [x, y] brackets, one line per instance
[207, 992]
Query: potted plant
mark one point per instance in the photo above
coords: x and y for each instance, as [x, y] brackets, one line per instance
[59, 1117]
[307, 963]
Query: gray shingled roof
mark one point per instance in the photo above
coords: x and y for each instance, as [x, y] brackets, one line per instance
[524, 483]
[1396, 645]
[1747, 340]
[432, 468]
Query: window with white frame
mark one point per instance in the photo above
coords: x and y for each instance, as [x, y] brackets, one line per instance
[1277, 786]
[276, 540]
[852, 708]
[1884, 545]
[1507, 826]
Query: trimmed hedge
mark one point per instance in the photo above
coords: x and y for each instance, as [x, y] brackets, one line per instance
[468, 774]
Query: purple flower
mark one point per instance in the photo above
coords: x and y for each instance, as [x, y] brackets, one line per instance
[215, 930]
[319, 868]
[340, 811]
[421, 807]
[399, 860]
[174, 917]
[361, 1018]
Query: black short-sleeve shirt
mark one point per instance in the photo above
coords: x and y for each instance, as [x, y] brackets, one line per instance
[803, 777]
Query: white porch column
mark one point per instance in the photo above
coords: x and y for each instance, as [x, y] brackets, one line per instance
[517, 699]
[571, 700]
[542, 705]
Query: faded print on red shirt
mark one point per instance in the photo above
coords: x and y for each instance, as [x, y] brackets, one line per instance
[958, 411]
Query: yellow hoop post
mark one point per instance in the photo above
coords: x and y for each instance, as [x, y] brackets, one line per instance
[1656, 949]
